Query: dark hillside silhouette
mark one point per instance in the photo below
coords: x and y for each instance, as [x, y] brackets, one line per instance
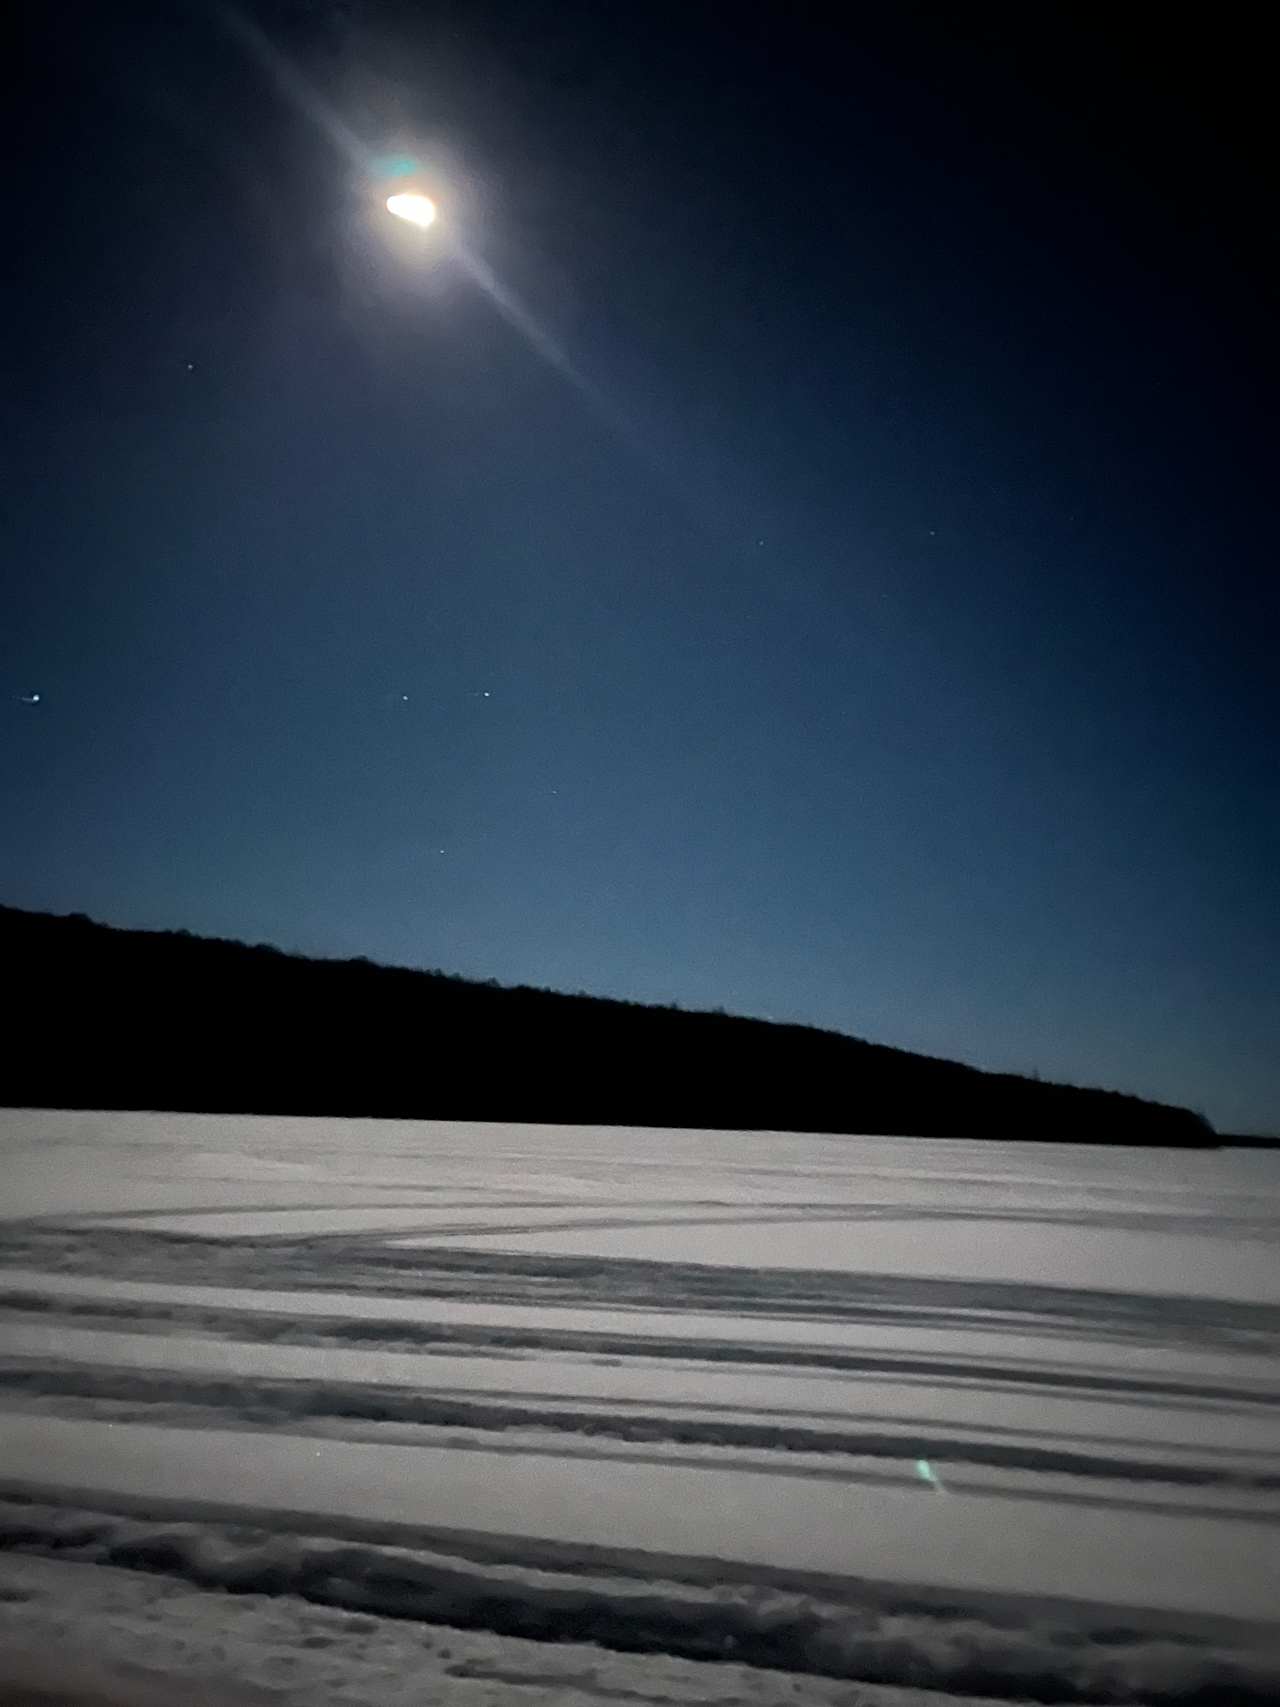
[105, 1018]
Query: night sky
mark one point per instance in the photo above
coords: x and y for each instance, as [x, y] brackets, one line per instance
[840, 590]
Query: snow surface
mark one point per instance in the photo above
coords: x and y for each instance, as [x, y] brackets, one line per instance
[378, 1411]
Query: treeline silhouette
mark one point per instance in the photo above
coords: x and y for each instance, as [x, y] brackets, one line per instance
[106, 1018]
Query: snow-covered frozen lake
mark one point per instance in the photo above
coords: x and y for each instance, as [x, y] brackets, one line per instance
[644, 1414]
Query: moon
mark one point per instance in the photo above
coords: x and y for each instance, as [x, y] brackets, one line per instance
[418, 210]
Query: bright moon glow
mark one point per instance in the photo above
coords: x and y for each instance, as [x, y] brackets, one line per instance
[418, 210]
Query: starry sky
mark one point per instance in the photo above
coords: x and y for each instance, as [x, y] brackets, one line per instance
[793, 537]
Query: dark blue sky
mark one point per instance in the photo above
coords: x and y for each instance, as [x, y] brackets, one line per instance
[901, 664]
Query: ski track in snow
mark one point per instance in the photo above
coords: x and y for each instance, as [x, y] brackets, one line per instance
[516, 1413]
